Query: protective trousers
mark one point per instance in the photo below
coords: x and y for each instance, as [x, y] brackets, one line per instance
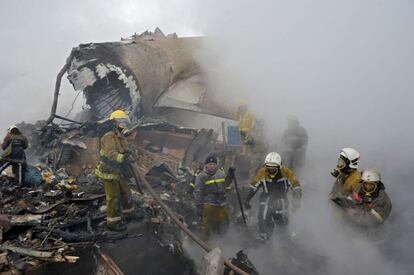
[215, 219]
[246, 141]
[118, 201]
[17, 168]
[273, 212]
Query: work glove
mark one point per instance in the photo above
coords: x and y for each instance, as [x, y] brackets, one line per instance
[231, 173]
[297, 195]
[128, 156]
[295, 205]
[247, 205]
[335, 173]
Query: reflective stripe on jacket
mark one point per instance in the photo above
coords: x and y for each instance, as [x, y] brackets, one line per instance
[278, 186]
[211, 188]
[18, 144]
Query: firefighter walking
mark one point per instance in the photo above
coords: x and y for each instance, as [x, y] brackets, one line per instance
[114, 158]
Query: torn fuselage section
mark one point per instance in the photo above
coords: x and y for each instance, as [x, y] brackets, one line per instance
[146, 75]
[107, 84]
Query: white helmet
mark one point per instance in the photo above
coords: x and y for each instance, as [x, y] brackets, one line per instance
[352, 155]
[273, 159]
[371, 174]
[11, 128]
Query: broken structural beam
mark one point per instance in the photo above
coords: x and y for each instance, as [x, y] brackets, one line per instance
[27, 252]
[28, 219]
[57, 88]
[80, 237]
[67, 119]
[110, 266]
[139, 177]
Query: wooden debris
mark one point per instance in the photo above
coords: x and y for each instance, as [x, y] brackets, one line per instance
[26, 251]
[18, 220]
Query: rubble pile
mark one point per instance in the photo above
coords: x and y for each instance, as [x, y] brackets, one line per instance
[49, 218]
[46, 223]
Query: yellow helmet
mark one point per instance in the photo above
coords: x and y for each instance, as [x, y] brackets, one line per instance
[242, 103]
[119, 114]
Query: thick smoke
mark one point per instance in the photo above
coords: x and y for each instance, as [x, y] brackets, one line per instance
[345, 69]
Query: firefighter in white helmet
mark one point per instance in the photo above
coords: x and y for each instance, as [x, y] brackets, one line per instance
[370, 203]
[276, 181]
[346, 173]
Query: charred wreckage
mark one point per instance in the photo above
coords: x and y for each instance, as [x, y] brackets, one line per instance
[58, 214]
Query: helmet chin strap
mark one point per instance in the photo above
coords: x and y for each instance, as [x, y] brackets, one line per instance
[270, 174]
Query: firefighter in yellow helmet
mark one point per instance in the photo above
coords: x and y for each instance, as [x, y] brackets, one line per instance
[346, 173]
[212, 186]
[277, 181]
[114, 156]
[246, 120]
[370, 203]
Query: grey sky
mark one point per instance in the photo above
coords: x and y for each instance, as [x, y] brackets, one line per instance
[37, 36]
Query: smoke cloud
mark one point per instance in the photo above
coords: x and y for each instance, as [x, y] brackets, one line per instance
[344, 68]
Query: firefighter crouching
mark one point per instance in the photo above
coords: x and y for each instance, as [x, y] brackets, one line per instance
[114, 160]
[211, 189]
[346, 173]
[371, 204]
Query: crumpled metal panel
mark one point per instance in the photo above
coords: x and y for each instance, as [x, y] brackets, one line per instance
[144, 73]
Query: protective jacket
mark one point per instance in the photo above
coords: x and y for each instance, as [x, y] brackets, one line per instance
[246, 120]
[212, 188]
[109, 171]
[112, 156]
[373, 212]
[345, 183]
[277, 187]
[14, 146]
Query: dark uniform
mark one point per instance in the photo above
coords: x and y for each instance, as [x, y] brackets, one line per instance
[274, 204]
[13, 147]
[210, 193]
[294, 142]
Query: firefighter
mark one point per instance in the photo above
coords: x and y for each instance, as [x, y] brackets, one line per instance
[111, 170]
[346, 173]
[277, 181]
[211, 190]
[294, 142]
[371, 205]
[13, 146]
[246, 120]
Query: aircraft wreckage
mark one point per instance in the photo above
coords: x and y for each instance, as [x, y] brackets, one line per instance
[158, 80]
